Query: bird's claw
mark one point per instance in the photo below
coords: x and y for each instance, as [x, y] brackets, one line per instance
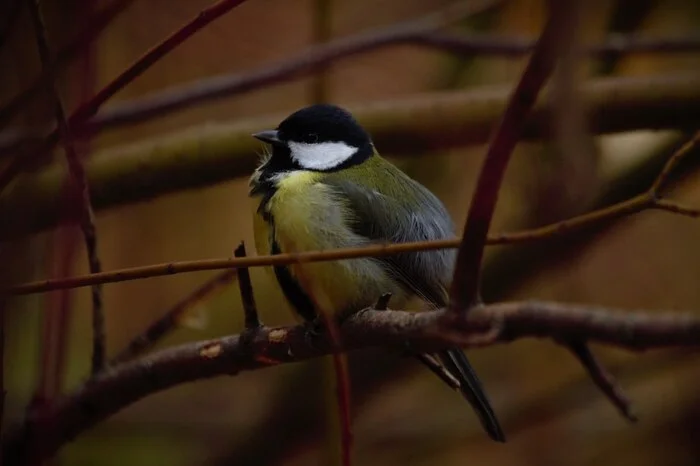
[313, 329]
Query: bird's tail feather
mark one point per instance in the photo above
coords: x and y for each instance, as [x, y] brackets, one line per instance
[457, 364]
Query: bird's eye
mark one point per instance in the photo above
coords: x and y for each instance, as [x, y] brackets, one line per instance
[311, 138]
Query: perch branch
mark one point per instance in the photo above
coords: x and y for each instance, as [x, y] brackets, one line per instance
[162, 326]
[43, 433]
[464, 291]
[210, 153]
[80, 187]
[92, 105]
[649, 200]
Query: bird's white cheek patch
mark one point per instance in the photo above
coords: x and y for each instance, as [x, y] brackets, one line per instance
[320, 155]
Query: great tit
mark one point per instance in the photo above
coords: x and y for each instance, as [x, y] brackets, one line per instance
[322, 185]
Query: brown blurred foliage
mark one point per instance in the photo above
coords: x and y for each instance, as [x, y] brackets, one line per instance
[551, 413]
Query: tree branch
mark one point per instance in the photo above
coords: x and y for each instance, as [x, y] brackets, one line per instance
[187, 95]
[464, 291]
[211, 153]
[170, 319]
[252, 320]
[95, 24]
[91, 106]
[43, 433]
[80, 189]
[603, 379]
[649, 200]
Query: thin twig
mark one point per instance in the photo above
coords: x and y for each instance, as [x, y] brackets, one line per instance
[664, 176]
[213, 152]
[95, 24]
[603, 379]
[648, 200]
[313, 58]
[310, 60]
[464, 291]
[634, 205]
[201, 91]
[90, 107]
[252, 321]
[80, 186]
[342, 392]
[41, 435]
[155, 332]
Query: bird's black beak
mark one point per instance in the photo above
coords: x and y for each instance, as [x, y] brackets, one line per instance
[269, 136]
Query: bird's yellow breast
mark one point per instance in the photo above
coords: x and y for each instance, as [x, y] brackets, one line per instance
[304, 215]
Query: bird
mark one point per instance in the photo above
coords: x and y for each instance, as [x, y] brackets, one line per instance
[321, 184]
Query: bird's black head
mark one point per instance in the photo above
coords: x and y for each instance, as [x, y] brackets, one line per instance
[321, 137]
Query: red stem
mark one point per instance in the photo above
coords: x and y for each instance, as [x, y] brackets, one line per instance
[465, 285]
[88, 108]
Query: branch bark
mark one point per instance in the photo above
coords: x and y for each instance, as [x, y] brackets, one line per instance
[45, 432]
[212, 153]
[651, 199]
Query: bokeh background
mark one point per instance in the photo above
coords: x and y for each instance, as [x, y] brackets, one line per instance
[552, 414]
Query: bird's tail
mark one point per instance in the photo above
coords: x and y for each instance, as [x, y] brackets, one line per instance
[457, 364]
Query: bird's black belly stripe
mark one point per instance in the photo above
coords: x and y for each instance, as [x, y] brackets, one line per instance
[290, 287]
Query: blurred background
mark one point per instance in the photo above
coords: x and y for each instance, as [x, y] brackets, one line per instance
[551, 412]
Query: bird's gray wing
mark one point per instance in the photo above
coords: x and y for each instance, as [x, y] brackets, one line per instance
[381, 217]
[425, 273]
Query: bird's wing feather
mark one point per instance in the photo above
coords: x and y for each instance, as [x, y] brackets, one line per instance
[425, 273]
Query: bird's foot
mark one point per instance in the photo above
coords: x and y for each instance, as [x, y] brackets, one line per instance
[313, 330]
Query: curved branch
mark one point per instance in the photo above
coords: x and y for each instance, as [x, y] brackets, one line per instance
[464, 291]
[44, 432]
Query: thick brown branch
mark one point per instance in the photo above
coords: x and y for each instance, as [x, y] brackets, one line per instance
[312, 59]
[80, 188]
[92, 105]
[122, 385]
[464, 291]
